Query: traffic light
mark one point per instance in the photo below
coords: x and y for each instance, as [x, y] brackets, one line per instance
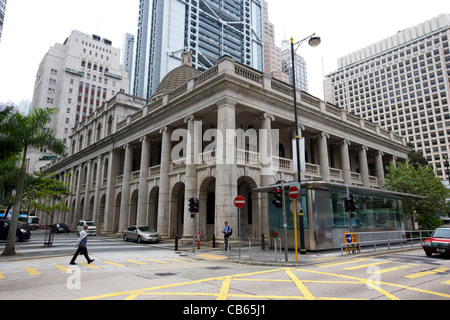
[191, 205]
[350, 204]
[277, 202]
[196, 203]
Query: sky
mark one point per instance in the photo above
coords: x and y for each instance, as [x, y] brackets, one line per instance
[31, 27]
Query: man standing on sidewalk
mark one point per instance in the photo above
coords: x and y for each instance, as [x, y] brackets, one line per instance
[82, 247]
[227, 232]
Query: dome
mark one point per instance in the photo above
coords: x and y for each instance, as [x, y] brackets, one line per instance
[178, 76]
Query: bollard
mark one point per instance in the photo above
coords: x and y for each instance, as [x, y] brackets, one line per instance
[214, 240]
[176, 243]
[263, 245]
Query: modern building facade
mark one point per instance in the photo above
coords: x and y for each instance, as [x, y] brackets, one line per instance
[402, 84]
[76, 77]
[272, 53]
[301, 68]
[2, 15]
[215, 135]
[128, 55]
[209, 29]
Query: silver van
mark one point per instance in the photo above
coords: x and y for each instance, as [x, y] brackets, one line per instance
[92, 228]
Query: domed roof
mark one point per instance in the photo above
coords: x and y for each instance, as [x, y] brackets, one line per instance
[178, 76]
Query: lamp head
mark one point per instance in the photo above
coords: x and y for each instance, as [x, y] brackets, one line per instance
[314, 41]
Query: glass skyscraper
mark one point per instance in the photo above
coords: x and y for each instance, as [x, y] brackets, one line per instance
[2, 15]
[208, 28]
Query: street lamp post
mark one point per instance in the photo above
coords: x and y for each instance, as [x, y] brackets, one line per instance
[313, 42]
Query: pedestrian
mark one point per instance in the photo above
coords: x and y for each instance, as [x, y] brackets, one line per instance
[82, 246]
[227, 232]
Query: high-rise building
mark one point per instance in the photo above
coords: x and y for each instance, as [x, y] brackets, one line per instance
[209, 29]
[272, 53]
[77, 77]
[2, 15]
[301, 68]
[402, 84]
[128, 55]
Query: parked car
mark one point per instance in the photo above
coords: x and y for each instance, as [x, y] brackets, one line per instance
[21, 233]
[141, 234]
[33, 223]
[60, 228]
[439, 242]
[92, 230]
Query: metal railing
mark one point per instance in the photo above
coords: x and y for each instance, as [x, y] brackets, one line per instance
[269, 249]
[385, 240]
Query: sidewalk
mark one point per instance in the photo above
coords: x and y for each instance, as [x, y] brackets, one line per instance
[269, 258]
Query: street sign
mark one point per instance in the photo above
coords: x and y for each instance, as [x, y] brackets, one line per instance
[293, 192]
[239, 202]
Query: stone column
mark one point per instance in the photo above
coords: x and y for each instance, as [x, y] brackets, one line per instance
[323, 156]
[345, 162]
[126, 178]
[379, 168]
[97, 191]
[267, 175]
[226, 167]
[110, 210]
[141, 218]
[363, 166]
[77, 198]
[191, 178]
[86, 191]
[393, 161]
[164, 183]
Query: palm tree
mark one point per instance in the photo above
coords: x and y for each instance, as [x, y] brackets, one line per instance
[27, 131]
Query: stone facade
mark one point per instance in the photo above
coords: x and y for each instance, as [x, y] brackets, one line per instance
[224, 133]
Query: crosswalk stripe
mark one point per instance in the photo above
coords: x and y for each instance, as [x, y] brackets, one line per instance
[134, 261]
[90, 266]
[366, 265]
[60, 267]
[114, 263]
[157, 261]
[175, 260]
[1, 276]
[425, 273]
[32, 271]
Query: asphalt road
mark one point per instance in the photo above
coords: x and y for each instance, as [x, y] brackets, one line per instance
[130, 271]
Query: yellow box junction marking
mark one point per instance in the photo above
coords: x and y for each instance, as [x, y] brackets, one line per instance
[425, 273]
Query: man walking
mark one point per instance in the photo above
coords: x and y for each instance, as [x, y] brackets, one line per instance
[82, 247]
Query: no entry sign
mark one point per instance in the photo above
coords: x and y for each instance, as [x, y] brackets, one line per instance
[293, 192]
[239, 202]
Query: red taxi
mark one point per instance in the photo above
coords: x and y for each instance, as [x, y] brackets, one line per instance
[439, 242]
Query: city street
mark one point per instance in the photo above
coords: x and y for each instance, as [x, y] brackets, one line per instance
[131, 271]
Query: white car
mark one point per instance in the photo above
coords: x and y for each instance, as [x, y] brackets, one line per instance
[92, 228]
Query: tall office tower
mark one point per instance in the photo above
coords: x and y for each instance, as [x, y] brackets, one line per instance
[209, 29]
[301, 68]
[139, 73]
[272, 53]
[128, 55]
[77, 77]
[2, 15]
[402, 84]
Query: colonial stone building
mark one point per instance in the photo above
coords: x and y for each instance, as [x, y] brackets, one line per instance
[214, 135]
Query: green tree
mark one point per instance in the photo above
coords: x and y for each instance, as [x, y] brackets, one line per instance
[419, 180]
[46, 193]
[27, 131]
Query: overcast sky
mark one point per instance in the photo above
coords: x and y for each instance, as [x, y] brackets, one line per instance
[31, 27]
